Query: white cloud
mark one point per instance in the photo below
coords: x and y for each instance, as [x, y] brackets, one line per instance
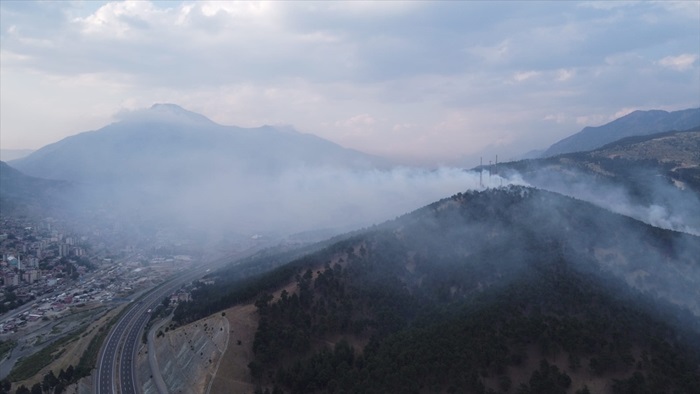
[679, 63]
[440, 80]
[565, 74]
[606, 5]
[557, 118]
[119, 19]
[525, 75]
[361, 120]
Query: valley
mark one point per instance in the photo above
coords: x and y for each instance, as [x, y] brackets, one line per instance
[349, 197]
[567, 274]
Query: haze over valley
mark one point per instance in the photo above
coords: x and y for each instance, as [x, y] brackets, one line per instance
[226, 191]
[349, 197]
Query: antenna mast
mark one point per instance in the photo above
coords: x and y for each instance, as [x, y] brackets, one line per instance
[481, 172]
[490, 169]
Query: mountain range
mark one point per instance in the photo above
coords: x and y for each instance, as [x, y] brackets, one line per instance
[654, 178]
[12, 154]
[174, 167]
[168, 143]
[171, 164]
[580, 275]
[633, 124]
[21, 194]
[510, 289]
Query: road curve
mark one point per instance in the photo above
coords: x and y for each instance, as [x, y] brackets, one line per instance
[116, 363]
[153, 360]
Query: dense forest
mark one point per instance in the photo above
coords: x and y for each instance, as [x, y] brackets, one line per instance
[245, 279]
[498, 291]
[422, 342]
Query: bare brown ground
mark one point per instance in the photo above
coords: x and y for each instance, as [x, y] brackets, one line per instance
[233, 375]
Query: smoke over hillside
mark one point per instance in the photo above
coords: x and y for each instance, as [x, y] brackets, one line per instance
[301, 199]
[169, 166]
[664, 206]
[293, 200]
[516, 269]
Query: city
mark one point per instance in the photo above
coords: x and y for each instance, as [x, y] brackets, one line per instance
[58, 283]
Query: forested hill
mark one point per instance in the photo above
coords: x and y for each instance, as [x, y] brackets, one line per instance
[635, 162]
[637, 123]
[653, 178]
[508, 290]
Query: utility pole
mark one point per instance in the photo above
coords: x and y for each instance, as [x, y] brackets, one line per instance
[490, 168]
[481, 172]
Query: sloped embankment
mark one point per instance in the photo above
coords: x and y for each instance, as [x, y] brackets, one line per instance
[233, 375]
[188, 356]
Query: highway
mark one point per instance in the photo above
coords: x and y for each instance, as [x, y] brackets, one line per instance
[105, 369]
[115, 367]
[116, 361]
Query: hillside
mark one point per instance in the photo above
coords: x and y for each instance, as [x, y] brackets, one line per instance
[634, 124]
[654, 178]
[675, 155]
[678, 153]
[513, 290]
[169, 144]
[12, 154]
[170, 167]
[22, 194]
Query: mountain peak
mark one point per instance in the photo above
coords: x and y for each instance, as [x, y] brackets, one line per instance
[169, 107]
[164, 112]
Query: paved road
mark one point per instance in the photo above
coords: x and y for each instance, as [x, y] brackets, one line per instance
[153, 360]
[127, 374]
[111, 347]
[115, 369]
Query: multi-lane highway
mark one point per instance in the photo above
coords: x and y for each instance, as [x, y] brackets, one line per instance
[115, 369]
[112, 349]
[115, 364]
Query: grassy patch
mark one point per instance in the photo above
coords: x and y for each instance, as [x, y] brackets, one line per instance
[88, 360]
[31, 365]
[6, 347]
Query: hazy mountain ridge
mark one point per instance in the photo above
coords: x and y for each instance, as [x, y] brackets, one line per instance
[478, 263]
[20, 193]
[633, 124]
[173, 167]
[681, 148]
[654, 178]
[168, 142]
[676, 154]
[12, 154]
[180, 168]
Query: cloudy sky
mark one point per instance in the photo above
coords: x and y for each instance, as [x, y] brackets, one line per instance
[423, 81]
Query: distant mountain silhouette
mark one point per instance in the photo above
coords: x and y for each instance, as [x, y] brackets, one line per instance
[23, 193]
[675, 155]
[633, 124]
[651, 171]
[167, 142]
[12, 154]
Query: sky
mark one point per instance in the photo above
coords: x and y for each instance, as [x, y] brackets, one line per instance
[419, 82]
